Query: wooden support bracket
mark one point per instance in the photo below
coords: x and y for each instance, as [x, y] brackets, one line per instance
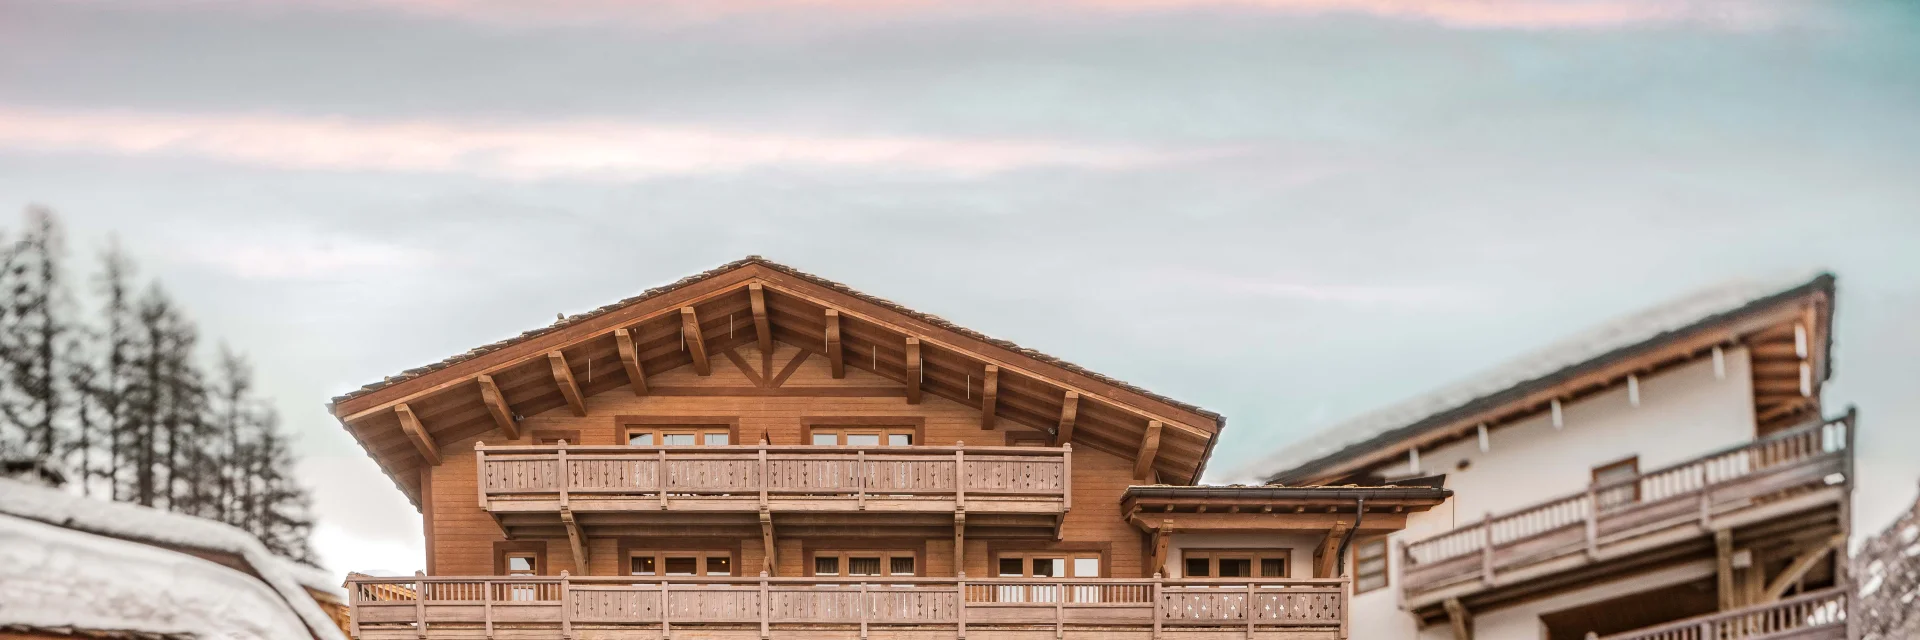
[1069, 415]
[1460, 619]
[1723, 553]
[766, 538]
[960, 541]
[497, 407]
[1149, 449]
[835, 357]
[576, 540]
[1799, 568]
[563, 377]
[423, 441]
[1161, 538]
[696, 343]
[630, 360]
[914, 372]
[989, 397]
[762, 329]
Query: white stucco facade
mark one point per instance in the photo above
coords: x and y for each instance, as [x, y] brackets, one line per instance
[1682, 413]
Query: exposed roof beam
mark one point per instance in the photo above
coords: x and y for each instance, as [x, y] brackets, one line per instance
[416, 432]
[989, 397]
[761, 326]
[913, 370]
[1149, 448]
[497, 407]
[630, 360]
[1069, 414]
[563, 378]
[696, 345]
[834, 356]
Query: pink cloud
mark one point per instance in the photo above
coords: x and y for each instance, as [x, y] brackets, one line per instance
[1520, 14]
[526, 150]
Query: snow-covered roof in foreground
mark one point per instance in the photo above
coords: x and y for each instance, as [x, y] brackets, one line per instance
[53, 577]
[71, 514]
[1628, 331]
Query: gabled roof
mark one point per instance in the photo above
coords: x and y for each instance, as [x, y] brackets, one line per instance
[445, 396]
[1679, 329]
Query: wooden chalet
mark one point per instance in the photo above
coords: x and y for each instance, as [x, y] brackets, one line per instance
[756, 452]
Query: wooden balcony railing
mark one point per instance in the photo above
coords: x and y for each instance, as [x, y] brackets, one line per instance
[746, 477]
[1694, 491]
[606, 606]
[1803, 616]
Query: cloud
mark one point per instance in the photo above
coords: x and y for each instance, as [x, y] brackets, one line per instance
[1303, 289]
[302, 256]
[1510, 14]
[581, 149]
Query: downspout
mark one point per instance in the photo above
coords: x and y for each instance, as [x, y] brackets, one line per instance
[1359, 513]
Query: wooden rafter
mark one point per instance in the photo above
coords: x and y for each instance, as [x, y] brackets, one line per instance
[696, 344]
[497, 407]
[1149, 449]
[1329, 550]
[1069, 415]
[416, 432]
[762, 328]
[563, 378]
[1799, 568]
[1459, 619]
[835, 356]
[630, 360]
[913, 370]
[989, 397]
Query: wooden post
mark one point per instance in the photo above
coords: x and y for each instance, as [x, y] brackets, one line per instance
[766, 608]
[354, 601]
[1066, 476]
[420, 603]
[836, 359]
[1250, 611]
[960, 600]
[1460, 619]
[566, 606]
[1159, 607]
[486, 601]
[860, 477]
[864, 604]
[660, 477]
[1486, 549]
[913, 371]
[666, 626]
[1593, 523]
[1060, 610]
[989, 396]
[479, 473]
[1723, 552]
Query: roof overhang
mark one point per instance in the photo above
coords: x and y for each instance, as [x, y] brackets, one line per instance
[445, 401]
[1798, 320]
[1272, 509]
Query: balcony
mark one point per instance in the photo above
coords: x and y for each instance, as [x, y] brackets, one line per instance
[620, 490]
[1785, 473]
[900, 608]
[1821, 615]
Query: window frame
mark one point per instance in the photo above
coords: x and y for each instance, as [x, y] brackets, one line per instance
[1027, 558]
[1631, 463]
[1254, 556]
[914, 427]
[627, 548]
[1386, 562]
[701, 556]
[552, 437]
[505, 549]
[661, 426]
[886, 561]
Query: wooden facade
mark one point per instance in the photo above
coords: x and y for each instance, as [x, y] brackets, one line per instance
[757, 452]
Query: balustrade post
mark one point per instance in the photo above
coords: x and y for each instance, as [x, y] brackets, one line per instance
[660, 477]
[860, 481]
[766, 603]
[960, 603]
[763, 477]
[480, 472]
[1066, 476]
[864, 604]
[1159, 607]
[560, 476]
[420, 603]
[1060, 610]
[1706, 631]
[959, 475]
[354, 600]
[566, 595]
[1248, 609]
[666, 625]
[486, 602]
[1486, 549]
[1593, 522]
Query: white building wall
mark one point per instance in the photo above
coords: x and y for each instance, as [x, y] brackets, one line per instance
[1684, 412]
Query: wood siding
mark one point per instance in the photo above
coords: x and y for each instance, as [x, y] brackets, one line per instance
[463, 534]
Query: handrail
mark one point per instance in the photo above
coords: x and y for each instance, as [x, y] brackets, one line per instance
[757, 471]
[1813, 441]
[460, 605]
[1817, 609]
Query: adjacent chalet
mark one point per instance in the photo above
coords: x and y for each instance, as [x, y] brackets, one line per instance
[755, 452]
[1668, 476]
[75, 567]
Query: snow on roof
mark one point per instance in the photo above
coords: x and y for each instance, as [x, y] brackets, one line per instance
[53, 577]
[1621, 333]
[315, 578]
[134, 522]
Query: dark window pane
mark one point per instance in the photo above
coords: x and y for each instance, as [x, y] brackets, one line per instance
[1236, 568]
[1198, 568]
[1010, 567]
[1273, 568]
[826, 566]
[863, 566]
[902, 566]
[720, 565]
[682, 566]
[1049, 567]
[644, 439]
[644, 566]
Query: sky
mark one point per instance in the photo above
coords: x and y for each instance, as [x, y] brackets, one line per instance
[1286, 211]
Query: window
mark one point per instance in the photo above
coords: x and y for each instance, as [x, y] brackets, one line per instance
[1370, 565]
[680, 563]
[1049, 564]
[1236, 563]
[1616, 482]
[552, 437]
[519, 558]
[865, 563]
[862, 436]
[679, 435]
